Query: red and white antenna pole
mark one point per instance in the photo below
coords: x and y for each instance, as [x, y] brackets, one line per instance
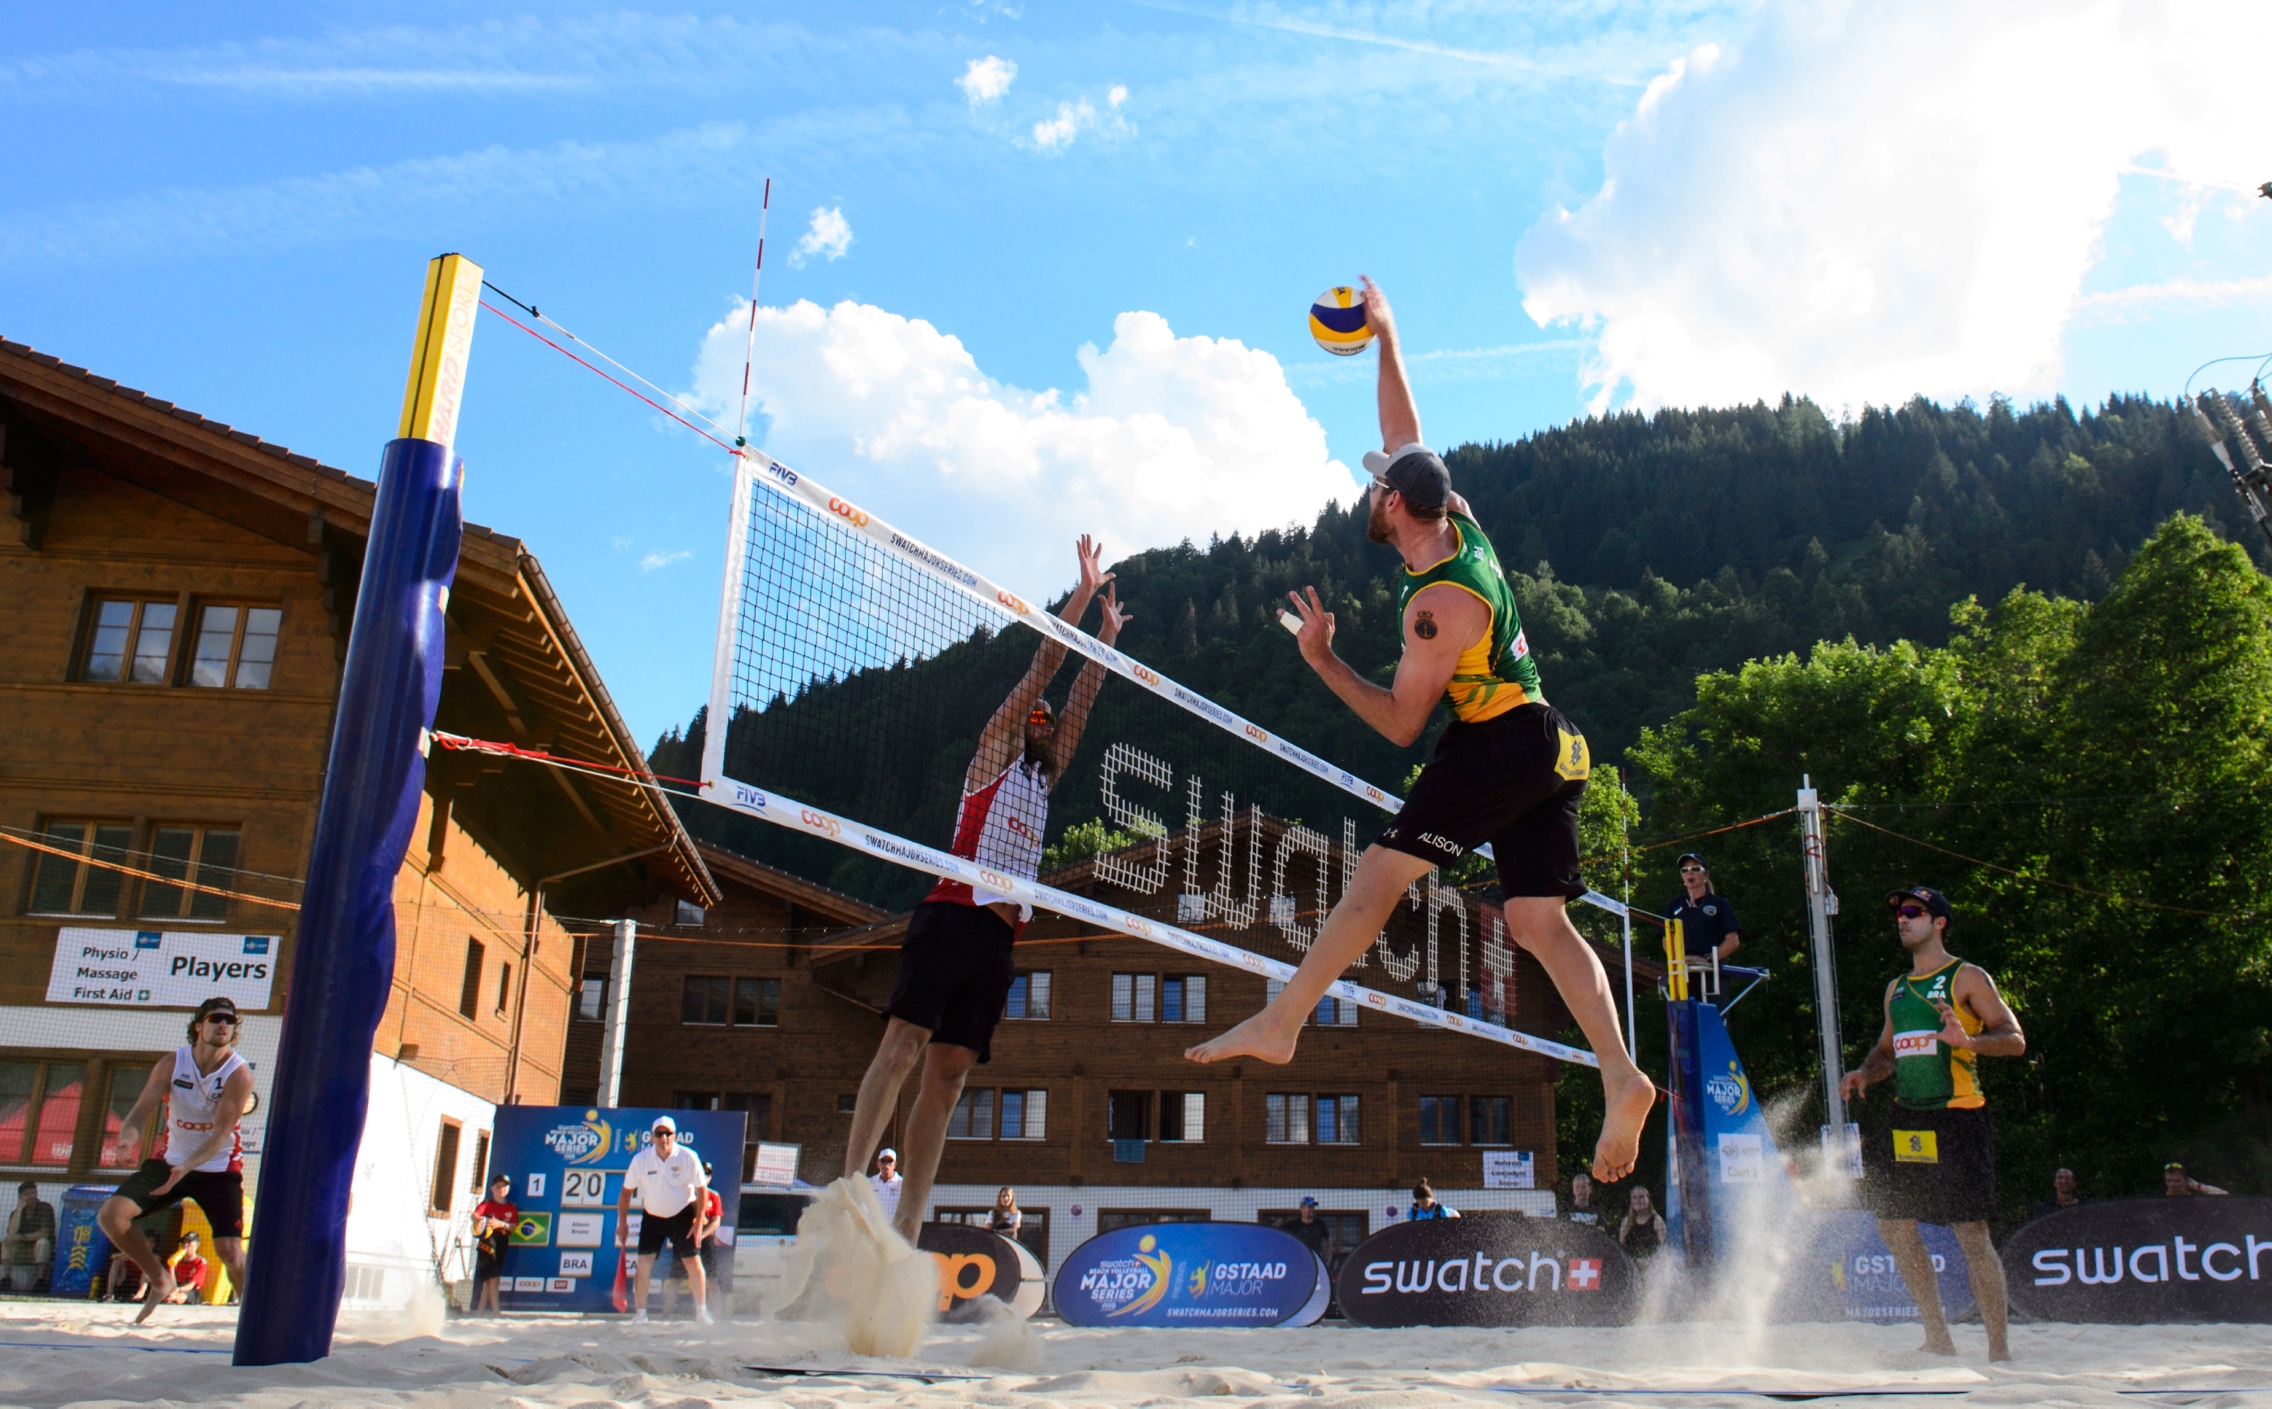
[749, 348]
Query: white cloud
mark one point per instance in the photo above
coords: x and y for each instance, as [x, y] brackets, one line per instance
[1173, 438]
[987, 79]
[1056, 133]
[1118, 95]
[830, 234]
[1862, 202]
[663, 560]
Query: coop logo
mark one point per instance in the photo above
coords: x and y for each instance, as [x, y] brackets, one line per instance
[1010, 599]
[994, 880]
[821, 822]
[1145, 674]
[1376, 999]
[1376, 794]
[581, 1144]
[1136, 926]
[849, 512]
[1255, 732]
[1915, 1044]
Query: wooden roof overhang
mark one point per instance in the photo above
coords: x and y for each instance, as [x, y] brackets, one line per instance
[507, 624]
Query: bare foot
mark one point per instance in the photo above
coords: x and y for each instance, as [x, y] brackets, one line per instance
[1937, 1347]
[1255, 1038]
[1620, 1144]
[161, 1287]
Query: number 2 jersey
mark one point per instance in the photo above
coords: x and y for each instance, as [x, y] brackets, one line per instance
[1928, 1074]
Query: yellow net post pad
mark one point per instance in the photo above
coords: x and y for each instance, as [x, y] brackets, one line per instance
[438, 359]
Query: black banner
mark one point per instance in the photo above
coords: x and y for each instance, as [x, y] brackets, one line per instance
[974, 1262]
[2143, 1261]
[1490, 1271]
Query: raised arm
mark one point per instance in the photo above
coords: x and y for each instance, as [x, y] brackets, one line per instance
[145, 1105]
[1439, 623]
[1086, 685]
[1400, 417]
[1879, 1064]
[1004, 735]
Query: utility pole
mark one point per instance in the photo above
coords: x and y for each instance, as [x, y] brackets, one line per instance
[1822, 903]
[618, 1013]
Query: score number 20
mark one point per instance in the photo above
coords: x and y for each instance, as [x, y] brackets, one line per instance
[583, 1188]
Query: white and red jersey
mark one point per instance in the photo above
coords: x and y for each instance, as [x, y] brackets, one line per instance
[999, 827]
[193, 1104]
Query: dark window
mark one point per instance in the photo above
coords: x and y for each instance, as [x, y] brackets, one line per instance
[591, 1000]
[1330, 1011]
[1135, 998]
[42, 1103]
[504, 987]
[1439, 1120]
[1487, 1121]
[1345, 1230]
[205, 858]
[847, 1104]
[236, 647]
[1029, 996]
[1110, 1219]
[1025, 1114]
[1285, 1119]
[757, 1002]
[478, 1181]
[973, 1116]
[686, 914]
[716, 1000]
[1183, 998]
[758, 1105]
[770, 1215]
[1337, 1121]
[469, 990]
[706, 1000]
[1183, 1116]
[131, 641]
[445, 1190]
[1128, 1115]
[69, 884]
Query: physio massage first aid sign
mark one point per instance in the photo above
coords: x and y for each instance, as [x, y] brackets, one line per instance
[161, 968]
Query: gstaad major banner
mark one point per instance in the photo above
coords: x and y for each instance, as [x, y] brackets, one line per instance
[1488, 1272]
[2142, 1261]
[1193, 1274]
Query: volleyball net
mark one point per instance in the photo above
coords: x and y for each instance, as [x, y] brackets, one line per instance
[856, 667]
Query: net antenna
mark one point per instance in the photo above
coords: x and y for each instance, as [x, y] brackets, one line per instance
[749, 347]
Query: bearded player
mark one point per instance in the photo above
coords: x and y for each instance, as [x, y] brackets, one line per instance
[956, 963]
[1509, 769]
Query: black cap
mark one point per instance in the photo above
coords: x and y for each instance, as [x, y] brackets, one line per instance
[1688, 856]
[1416, 472]
[1935, 903]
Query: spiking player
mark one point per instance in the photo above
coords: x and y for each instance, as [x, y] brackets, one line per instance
[1509, 770]
[956, 963]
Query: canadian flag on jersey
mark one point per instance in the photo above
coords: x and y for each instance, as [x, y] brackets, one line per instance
[1585, 1274]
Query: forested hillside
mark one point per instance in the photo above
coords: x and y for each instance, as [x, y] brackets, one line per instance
[1644, 550]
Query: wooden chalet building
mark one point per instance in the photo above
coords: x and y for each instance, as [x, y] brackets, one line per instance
[178, 595]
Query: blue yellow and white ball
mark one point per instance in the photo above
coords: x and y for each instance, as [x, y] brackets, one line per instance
[1337, 321]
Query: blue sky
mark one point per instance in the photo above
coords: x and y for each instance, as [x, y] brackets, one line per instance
[1056, 257]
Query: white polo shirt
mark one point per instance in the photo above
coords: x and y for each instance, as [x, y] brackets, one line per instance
[887, 1192]
[664, 1186]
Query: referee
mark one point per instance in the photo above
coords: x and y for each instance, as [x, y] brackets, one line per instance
[1707, 920]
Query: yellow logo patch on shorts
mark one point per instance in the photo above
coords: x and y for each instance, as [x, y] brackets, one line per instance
[1571, 762]
[1917, 1146]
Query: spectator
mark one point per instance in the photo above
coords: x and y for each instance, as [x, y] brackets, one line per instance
[1315, 1233]
[30, 1240]
[1582, 1208]
[2062, 1194]
[887, 1183]
[670, 1183]
[2177, 1184]
[1005, 1217]
[493, 1220]
[1707, 920]
[189, 1271]
[1644, 1230]
[1424, 1203]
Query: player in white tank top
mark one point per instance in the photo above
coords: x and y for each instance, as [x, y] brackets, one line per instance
[206, 1089]
[936, 1014]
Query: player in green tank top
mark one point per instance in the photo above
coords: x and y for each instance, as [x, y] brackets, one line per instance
[1933, 1160]
[1508, 771]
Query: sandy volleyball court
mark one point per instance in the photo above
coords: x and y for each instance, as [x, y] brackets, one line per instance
[95, 1356]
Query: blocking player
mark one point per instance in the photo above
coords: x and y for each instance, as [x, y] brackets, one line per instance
[1509, 770]
[956, 963]
[206, 1088]
[1935, 1159]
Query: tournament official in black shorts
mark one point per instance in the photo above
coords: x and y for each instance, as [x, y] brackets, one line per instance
[1509, 770]
[955, 963]
[1932, 1157]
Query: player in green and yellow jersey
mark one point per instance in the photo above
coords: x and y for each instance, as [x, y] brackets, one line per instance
[1934, 1161]
[1508, 770]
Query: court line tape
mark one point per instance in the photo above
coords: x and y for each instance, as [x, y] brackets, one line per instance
[788, 812]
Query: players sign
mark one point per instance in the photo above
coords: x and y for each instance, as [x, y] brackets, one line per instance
[1488, 1272]
[1192, 1274]
[2140, 1261]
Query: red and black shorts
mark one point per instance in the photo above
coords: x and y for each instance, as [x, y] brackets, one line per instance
[1509, 781]
[220, 1193]
[955, 967]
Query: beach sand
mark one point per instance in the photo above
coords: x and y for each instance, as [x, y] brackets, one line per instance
[56, 1354]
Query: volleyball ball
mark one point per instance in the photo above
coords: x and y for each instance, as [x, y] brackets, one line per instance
[1337, 321]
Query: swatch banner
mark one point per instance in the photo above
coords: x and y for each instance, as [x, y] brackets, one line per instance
[1193, 1274]
[978, 1262]
[2139, 1261]
[1489, 1271]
